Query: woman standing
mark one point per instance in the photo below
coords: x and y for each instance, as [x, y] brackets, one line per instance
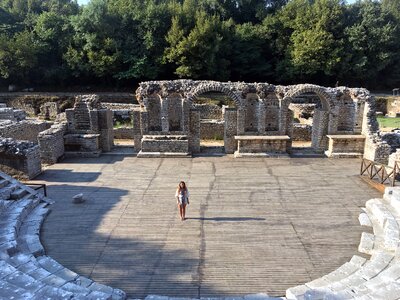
[182, 197]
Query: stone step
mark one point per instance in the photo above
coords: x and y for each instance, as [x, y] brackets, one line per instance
[18, 194]
[10, 291]
[4, 183]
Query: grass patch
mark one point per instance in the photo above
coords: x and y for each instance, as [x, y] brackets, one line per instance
[388, 122]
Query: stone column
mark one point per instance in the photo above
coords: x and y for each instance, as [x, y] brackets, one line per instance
[289, 129]
[164, 115]
[283, 111]
[105, 122]
[319, 140]
[144, 121]
[240, 119]
[194, 131]
[231, 128]
[261, 117]
[333, 120]
[137, 132]
[359, 107]
[185, 125]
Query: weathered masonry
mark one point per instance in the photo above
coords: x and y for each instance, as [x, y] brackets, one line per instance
[261, 121]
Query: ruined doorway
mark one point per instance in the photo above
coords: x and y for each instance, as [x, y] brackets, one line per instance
[213, 107]
[308, 125]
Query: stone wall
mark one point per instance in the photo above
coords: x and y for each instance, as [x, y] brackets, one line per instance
[163, 144]
[51, 143]
[301, 132]
[212, 129]
[124, 133]
[20, 158]
[209, 111]
[27, 130]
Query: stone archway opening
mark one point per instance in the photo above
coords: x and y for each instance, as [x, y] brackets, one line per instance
[308, 120]
[213, 107]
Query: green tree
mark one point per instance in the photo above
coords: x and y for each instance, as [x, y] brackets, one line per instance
[18, 56]
[372, 44]
[205, 52]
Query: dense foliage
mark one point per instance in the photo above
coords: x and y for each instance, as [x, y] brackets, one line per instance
[113, 42]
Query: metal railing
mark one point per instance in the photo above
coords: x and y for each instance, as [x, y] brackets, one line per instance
[380, 172]
[37, 186]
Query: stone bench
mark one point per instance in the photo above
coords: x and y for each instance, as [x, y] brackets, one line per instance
[262, 145]
[345, 146]
[164, 146]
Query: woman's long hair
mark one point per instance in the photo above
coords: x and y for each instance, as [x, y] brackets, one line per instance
[184, 188]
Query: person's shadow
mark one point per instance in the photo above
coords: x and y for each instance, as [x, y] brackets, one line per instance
[228, 219]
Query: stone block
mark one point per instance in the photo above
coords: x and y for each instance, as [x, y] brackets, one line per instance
[367, 243]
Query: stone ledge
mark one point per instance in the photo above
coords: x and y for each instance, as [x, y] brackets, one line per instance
[262, 137]
[163, 154]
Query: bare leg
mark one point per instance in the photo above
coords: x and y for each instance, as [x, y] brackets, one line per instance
[180, 211]
[184, 211]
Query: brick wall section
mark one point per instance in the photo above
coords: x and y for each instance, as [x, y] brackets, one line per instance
[51, 143]
[211, 129]
[124, 133]
[25, 130]
[301, 132]
[20, 158]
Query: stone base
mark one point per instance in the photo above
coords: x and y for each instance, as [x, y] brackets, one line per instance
[143, 154]
[157, 145]
[262, 146]
[259, 154]
[343, 155]
[82, 154]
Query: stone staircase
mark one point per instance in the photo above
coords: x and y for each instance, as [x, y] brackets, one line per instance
[365, 279]
[25, 270]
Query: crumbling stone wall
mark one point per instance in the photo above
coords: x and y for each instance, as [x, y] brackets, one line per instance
[20, 158]
[27, 130]
[209, 111]
[212, 129]
[301, 132]
[51, 143]
[259, 109]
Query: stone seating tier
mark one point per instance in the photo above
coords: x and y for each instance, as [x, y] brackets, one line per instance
[375, 278]
[26, 272]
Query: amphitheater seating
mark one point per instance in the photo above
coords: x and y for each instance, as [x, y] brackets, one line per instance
[25, 270]
[375, 278]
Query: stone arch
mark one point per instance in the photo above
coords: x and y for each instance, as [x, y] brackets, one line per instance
[214, 87]
[326, 99]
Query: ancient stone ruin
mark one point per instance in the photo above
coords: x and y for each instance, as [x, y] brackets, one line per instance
[170, 123]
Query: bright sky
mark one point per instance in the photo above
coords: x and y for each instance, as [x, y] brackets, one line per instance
[86, 1]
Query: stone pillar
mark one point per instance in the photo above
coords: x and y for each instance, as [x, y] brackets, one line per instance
[358, 116]
[289, 129]
[106, 128]
[319, 140]
[137, 132]
[333, 119]
[283, 112]
[240, 122]
[144, 121]
[261, 117]
[185, 125]
[164, 115]
[231, 128]
[194, 131]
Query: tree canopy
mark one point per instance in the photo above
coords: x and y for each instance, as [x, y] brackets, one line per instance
[113, 42]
